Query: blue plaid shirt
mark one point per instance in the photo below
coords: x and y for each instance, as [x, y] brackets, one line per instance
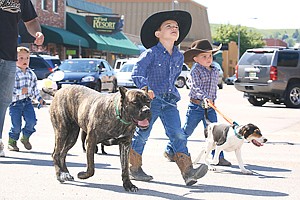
[158, 70]
[29, 80]
[204, 82]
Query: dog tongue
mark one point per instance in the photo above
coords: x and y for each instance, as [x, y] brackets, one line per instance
[143, 123]
[256, 143]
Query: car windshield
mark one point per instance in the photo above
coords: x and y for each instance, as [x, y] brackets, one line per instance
[79, 66]
[53, 62]
[256, 58]
[127, 68]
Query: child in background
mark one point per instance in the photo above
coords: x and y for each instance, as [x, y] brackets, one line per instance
[25, 90]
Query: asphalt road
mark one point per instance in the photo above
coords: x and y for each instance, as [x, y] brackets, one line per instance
[30, 175]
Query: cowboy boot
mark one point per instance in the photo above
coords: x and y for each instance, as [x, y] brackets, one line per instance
[135, 167]
[189, 174]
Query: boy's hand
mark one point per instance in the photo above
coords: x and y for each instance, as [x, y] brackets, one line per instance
[24, 90]
[151, 94]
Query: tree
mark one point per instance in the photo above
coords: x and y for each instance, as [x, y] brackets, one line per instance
[295, 34]
[248, 37]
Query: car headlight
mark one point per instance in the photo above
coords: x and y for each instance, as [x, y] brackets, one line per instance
[88, 79]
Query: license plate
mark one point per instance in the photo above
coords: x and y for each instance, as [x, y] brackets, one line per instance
[252, 74]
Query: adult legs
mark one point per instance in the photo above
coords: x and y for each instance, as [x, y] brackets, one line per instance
[7, 77]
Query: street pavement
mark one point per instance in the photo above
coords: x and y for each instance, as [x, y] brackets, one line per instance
[30, 175]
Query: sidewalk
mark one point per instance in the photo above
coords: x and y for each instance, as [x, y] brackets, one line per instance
[30, 175]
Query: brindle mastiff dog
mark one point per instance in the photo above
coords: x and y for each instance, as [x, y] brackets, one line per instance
[102, 117]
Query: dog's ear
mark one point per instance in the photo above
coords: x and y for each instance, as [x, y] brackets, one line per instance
[123, 91]
[145, 88]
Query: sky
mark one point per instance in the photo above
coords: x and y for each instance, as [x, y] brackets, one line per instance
[260, 14]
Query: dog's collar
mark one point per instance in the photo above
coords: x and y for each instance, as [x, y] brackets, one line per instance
[236, 133]
[118, 113]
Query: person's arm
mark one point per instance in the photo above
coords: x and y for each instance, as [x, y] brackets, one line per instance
[34, 28]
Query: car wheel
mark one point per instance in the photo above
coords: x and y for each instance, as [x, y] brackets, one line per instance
[257, 101]
[98, 86]
[220, 86]
[180, 83]
[292, 97]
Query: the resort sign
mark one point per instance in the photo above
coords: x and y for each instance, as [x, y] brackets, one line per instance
[103, 24]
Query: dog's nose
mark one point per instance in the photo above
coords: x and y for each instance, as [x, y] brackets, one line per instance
[146, 110]
[265, 140]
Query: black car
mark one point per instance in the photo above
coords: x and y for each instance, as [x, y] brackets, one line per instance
[43, 65]
[91, 72]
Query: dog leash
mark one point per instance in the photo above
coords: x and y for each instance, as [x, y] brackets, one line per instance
[234, 124]
[230, 121]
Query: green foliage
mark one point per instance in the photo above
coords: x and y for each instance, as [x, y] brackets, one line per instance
[249, 38]
[290, 36]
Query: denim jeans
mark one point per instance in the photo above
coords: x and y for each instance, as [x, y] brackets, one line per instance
[7, 82]
[17, 110]
[168, 113]
[194, 115]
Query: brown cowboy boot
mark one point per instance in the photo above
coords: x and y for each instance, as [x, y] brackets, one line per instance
[189, 174]
[135, 167]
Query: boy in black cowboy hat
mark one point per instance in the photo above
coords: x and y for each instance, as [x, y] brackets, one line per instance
[158, 68]
[204, 88]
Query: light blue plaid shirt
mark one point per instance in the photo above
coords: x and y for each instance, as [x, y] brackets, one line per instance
[29, 80]
[204, 82]
[158, 70]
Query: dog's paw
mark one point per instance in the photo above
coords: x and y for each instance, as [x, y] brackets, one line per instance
[64, 176]
[211, 168]
[246, 171]
[129, 187]
[83, 175]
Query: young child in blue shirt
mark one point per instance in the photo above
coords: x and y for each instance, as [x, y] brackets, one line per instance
[24, 91]
[158, 68]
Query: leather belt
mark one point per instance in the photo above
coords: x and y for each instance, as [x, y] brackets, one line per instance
[196, 101]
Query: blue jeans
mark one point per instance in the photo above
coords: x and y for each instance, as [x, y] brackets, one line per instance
[7, 82]
[17, 110]
[168, 113]
[194, 115]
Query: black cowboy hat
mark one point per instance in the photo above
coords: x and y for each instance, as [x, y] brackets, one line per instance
[199, 46]
[153, 22]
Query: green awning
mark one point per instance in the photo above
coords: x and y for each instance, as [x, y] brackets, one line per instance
[62, 36]
[119, 43]
[114, 43]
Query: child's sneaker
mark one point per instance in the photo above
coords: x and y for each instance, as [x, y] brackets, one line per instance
[26, 143]
[2, 149]
[12, 145]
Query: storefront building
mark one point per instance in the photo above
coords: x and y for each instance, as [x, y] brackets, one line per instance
[90, 31]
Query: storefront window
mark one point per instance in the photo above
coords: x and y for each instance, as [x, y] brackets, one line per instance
[44, 4]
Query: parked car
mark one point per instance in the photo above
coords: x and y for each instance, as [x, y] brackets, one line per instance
[181, 80]
[124, 74]
[43, 65]
[91, 72]
[220, 80]
[270, 74]
[230, 80]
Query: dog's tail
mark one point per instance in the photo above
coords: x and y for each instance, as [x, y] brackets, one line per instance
[49, 91]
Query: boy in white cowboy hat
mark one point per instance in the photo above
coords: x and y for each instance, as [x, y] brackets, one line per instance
[158, 68]
[204, 88]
